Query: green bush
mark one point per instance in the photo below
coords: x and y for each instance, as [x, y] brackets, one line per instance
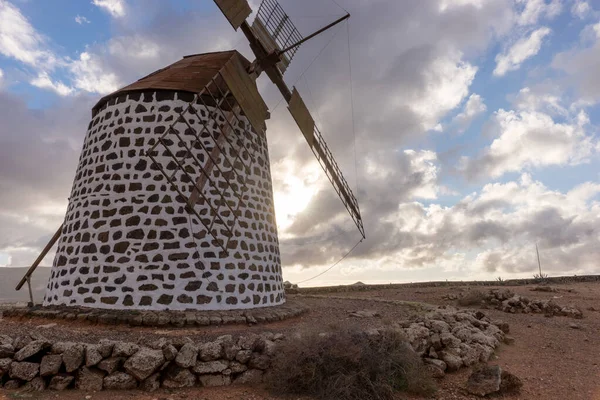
[349, 365]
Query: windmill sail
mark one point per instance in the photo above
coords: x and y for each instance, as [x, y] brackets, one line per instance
[275, 40]
[321, 151]
[236, 11]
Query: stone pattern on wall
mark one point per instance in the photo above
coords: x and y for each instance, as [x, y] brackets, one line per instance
[128, 241]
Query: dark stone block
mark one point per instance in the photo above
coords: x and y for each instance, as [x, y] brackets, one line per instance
[185, 299]
[178, 256]
[193, 286]
[231, 300]
[165, 299]
[166, 235]
[121, 247]
[135, 234]
[202, 299]
[109, 300]
[212, 287]
[151, 246]
[148, 287]
[128, 300]
[146, 301]
[126, 210]
[119, 189]
[132, 221]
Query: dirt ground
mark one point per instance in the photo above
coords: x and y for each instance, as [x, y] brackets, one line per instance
[554, 360]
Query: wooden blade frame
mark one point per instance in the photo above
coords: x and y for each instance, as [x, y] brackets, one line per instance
[236, 11]
[274, 29]
[321, 151]
[217, 97]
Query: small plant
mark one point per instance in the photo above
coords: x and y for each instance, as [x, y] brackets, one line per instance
[540, 277]
[349, 365]
[499, 279]
[472, 298]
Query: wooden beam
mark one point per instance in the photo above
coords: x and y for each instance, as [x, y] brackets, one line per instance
[40, 257]
[214, 154]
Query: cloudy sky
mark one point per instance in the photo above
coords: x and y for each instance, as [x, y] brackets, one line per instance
[474, 134]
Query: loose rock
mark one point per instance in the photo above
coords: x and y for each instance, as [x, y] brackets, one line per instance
[144, 363]
[210, 367]
[73, 356]
[119, 381]
[50, 364]
[177, 377]
[60, 382]
[485, 381]
[31, 350]
[186, 357]
[25, 371]
[90, 379]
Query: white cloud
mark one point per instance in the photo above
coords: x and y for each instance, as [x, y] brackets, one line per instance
[451, 4]
[581, 9]
[474, 106]
[533, 10]
[89, 75]
[446, 84]
[135, 46]
[116, 8]
[43, 81]
[531, 139]
[545, 99]
[19, 40]
[81, 20]
[520, 51]
[501, 225]
[582, 63]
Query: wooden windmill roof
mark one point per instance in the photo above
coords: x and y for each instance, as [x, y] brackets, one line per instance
[190, 74]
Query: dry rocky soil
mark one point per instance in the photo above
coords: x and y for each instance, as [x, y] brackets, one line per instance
[555, 356]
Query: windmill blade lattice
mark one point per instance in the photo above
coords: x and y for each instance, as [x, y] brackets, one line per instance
[208, 162]
[276, 31]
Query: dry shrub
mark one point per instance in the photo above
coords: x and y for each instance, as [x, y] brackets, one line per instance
[349, 365]
[471, 298]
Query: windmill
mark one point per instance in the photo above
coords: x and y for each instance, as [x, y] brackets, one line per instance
[172, 203]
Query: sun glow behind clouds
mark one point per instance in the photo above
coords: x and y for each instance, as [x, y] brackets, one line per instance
[295, 193]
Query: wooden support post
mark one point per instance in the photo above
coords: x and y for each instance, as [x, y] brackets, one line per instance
[40, 258]
[31, 303]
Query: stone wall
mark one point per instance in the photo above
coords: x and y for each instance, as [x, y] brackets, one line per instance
[128, 241]
[447, 340]
[37, 364]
